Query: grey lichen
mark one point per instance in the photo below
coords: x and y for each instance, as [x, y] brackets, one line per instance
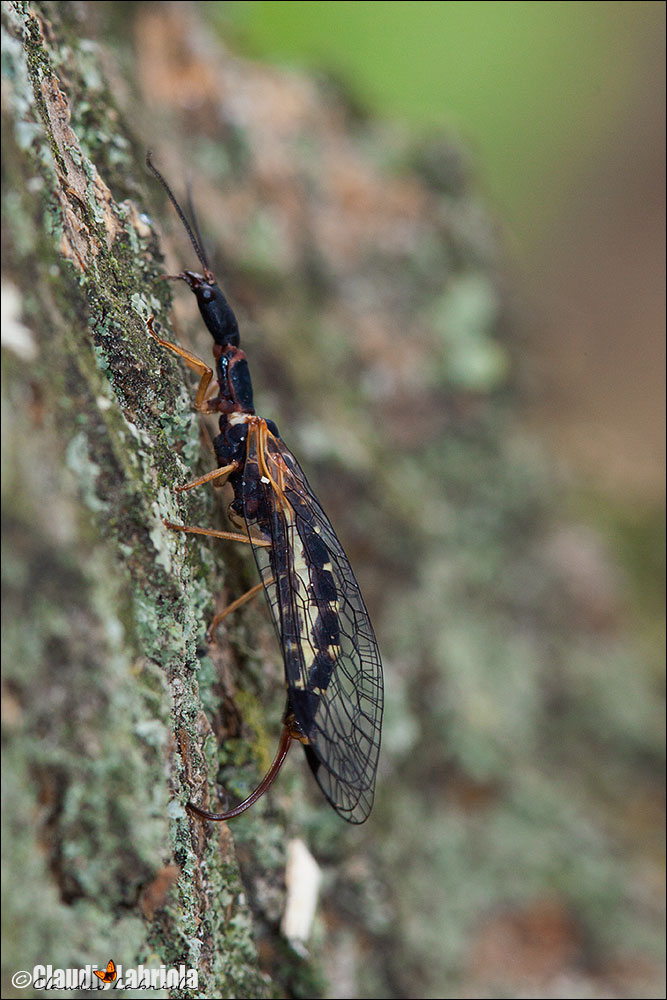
[105, 608]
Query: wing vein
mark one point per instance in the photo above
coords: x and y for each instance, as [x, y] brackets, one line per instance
[333, 670]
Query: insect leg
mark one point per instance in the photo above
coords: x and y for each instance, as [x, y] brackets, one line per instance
[286, 739]
[212, 390]
[238, 603]
[224, 470]
[192, 361]
[232, 536]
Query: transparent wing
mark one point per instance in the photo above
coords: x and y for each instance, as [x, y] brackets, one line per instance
[332, 663]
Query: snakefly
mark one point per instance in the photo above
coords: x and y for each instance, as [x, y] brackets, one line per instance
[333, 672]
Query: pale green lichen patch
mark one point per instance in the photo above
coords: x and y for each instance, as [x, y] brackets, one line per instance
[465, 317]
[101, 650]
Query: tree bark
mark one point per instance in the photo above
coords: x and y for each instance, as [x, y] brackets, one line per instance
[104, 607]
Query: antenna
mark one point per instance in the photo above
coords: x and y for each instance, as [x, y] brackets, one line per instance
[192, 212]
[196, 243]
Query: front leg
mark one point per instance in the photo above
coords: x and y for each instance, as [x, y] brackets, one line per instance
[192, 361]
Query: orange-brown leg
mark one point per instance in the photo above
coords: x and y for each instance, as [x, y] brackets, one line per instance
[234, 606]
[224, 470]
[232, 536]
[192, 361]
[212, 390]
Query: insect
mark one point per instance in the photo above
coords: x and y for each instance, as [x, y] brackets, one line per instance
[333, 671]
[108, 975]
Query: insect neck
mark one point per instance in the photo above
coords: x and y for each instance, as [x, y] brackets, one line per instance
[214, 307]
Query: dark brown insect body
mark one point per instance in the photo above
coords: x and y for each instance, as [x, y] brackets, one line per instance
[333, 672]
